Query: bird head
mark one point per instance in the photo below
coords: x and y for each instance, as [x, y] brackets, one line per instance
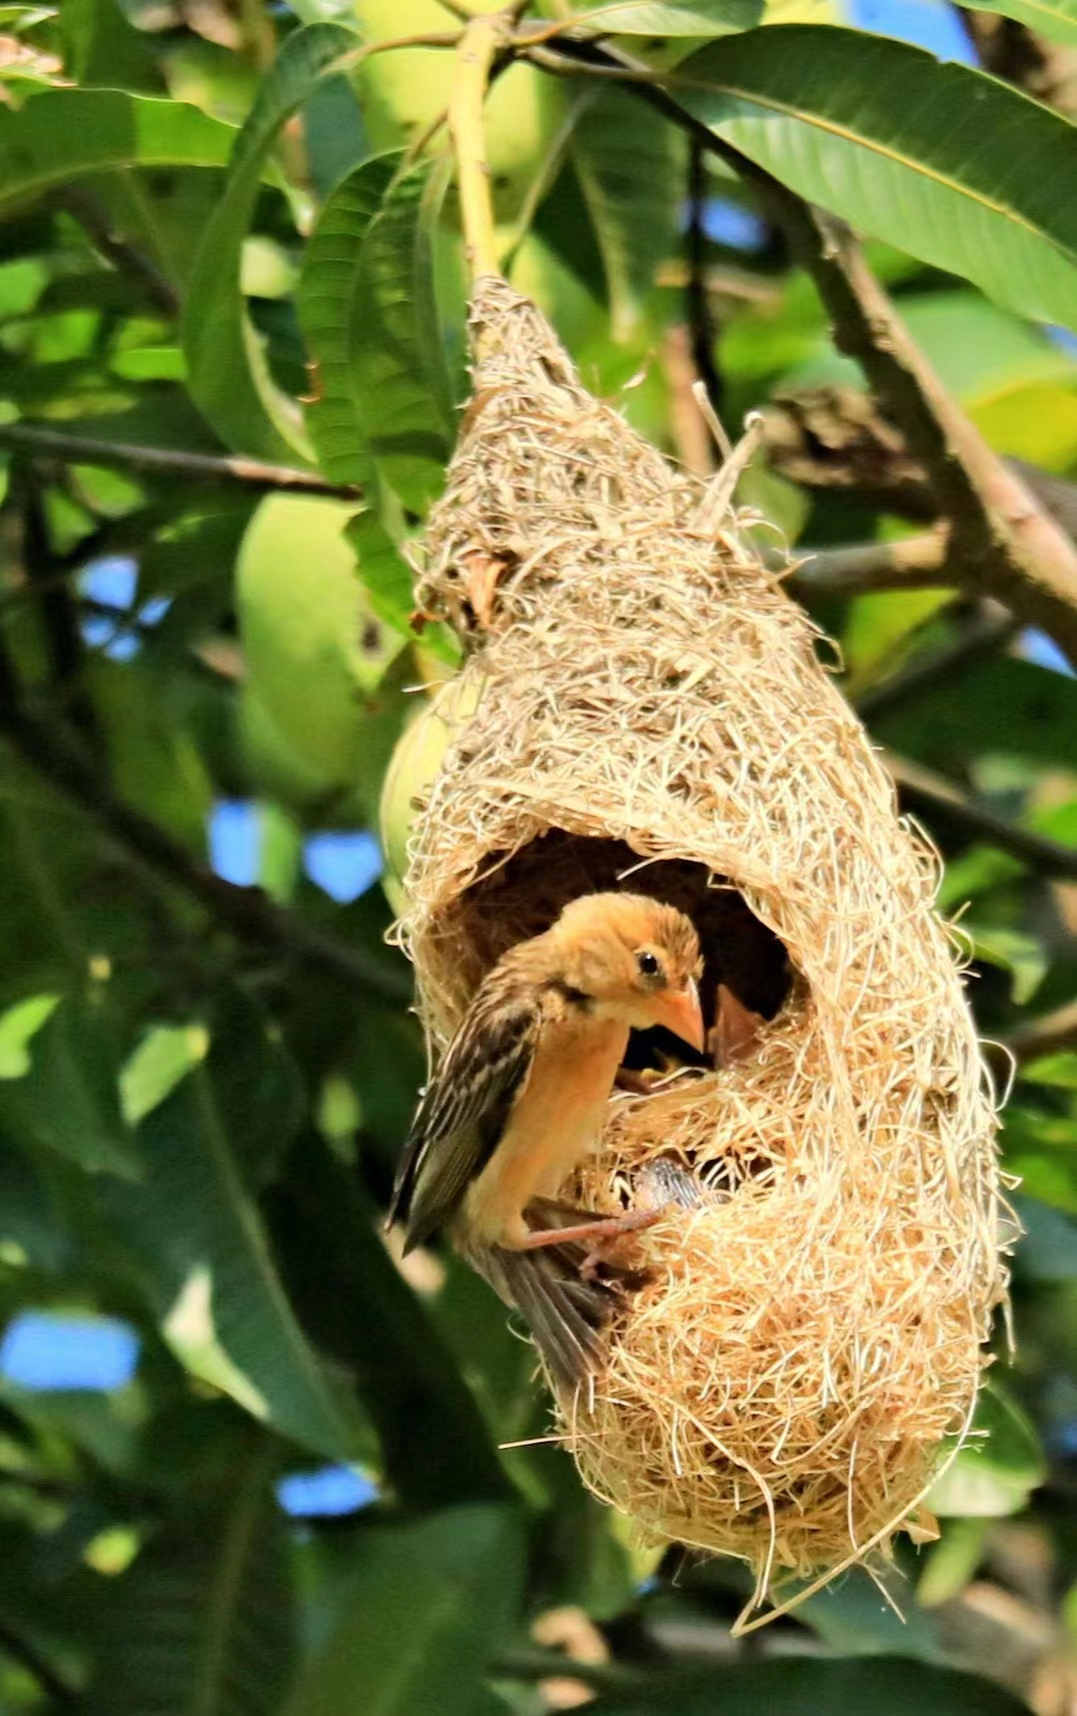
[634, 960]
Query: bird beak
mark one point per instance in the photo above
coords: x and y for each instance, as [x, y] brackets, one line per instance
[679, 1011]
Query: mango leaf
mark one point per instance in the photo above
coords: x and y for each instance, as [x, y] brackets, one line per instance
[429, 1605]
[68, 1099]
[1041, 1148]
[102, 47]
[328, 290]
[798, 1686]
[957, 721]
[402, 382]
[658, 18]
[950, 165]
[1054, 18]
[997, 1468]
[205, 1262]
[202, 1623]
[625, 158]
[229, 375]
[1059, 1069]
[335, 1259]
[62, 134]
[1022, 955]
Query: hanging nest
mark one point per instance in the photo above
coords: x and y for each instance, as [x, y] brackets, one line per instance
[648, 704]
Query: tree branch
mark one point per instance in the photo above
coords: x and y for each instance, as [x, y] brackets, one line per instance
[919, 562]
[1012, 549]
[929, 794]
[1044, 1036]
[245, 912]
[42, 443]
[696, 301]
[989, 629]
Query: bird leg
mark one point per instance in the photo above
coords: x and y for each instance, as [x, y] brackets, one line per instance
[599, 1232]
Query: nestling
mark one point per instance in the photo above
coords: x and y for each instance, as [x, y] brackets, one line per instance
[519, 1097]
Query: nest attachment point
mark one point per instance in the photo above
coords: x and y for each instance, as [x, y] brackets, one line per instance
[808, 1339]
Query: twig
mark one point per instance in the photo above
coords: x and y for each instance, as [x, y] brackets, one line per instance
[931, 795]
[1044, 1036]
[990, 628]
[97, 221]
[209, 467]
[910, 563]
[475, 57]
[536, 1664]
[246, 912]
[1013, 549]
[696, 301]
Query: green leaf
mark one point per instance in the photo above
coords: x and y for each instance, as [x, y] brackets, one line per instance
[203, 1621]
[402, 382]
[1059, 1069]
[101, 47]
[327, 303]
[229, 374]
[659, 18]
[206, 1263]
[948, 164]
[68, 1100]
[385, 574]
[997, 1468]
[1022, 955]
[625, 158]
[18, 1024]
[335, 1259]
[1054, 18]
[959, 721]
[429, 1605]
[799, 1686]
[62, 134]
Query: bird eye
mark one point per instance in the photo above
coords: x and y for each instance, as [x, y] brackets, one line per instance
[648, 963]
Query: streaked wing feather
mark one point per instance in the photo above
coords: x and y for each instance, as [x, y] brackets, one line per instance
[465, 1107]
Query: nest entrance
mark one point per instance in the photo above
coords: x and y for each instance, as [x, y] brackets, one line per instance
[521, 894]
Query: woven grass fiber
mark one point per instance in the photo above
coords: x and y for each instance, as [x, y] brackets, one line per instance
[809, 1340]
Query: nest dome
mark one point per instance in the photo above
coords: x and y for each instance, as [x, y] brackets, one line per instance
[649, 706]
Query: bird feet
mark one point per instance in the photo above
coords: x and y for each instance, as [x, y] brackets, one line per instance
[600, 1233]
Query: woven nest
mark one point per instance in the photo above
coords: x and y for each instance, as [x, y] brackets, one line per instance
[808, 1340]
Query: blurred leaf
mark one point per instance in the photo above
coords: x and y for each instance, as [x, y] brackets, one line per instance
[625, 157]
[959, 720]
[69, 1099]
[799, 1686]
[65, 133]
[165, 1055]
[1054, 18]
[401, 374]
[1058, 1069]
[659, 18]
[878, 132]
[950, 1563]
[205, 1260]
[18, 1025]
[1048, 1248]
[102, 48]
[229, 374]
[327, 306]
[335, 1259]
[1023, 956]
[429, 1606]
[998, 1467]
[203, 1622]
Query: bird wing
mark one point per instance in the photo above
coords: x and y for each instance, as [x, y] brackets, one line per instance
[465, 1107]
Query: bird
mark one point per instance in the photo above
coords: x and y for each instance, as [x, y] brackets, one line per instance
[519, 1097]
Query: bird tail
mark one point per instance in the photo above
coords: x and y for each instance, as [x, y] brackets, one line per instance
[566, 1315]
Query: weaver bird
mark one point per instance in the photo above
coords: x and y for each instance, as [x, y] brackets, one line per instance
[519, 1097]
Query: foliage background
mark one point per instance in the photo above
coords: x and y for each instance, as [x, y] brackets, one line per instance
[249, 1464]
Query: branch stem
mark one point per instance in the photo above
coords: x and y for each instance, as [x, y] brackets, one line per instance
[41, 443]
[475, 55]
